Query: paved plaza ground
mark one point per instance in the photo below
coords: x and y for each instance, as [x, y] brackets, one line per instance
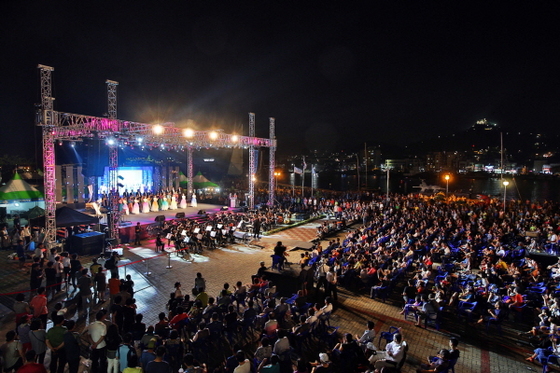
[480, 351]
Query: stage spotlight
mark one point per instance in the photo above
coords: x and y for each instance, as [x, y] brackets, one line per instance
[188, 132]
[110, 141]
[234, 138]
[213, 135]
[73, 144]
[139, 140]
[158, 129]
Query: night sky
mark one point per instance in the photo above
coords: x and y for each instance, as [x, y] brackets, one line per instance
[333, 74]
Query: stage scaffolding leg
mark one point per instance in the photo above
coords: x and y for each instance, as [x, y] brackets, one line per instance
[147, 273]
[272, 165]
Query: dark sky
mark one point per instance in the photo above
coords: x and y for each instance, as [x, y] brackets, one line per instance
[333, 75]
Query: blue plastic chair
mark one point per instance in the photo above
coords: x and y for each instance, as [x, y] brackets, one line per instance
[387, 336]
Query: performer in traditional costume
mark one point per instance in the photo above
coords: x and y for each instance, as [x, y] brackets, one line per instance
[155, 205]
[136, 207]
[145, 204]
[183, 203]
[173, 204]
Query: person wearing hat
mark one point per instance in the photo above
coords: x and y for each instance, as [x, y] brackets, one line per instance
[324, 365]
[148, 355]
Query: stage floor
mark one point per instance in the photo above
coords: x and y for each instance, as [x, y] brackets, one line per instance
[149, 217]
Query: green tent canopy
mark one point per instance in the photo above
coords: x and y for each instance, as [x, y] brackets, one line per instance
[199, 181]
[19, 190]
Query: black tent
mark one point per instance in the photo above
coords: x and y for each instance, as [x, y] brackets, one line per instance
[67, 217]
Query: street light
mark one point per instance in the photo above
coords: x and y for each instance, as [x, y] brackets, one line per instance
[446, 185]
[277, 174]
[505, 183]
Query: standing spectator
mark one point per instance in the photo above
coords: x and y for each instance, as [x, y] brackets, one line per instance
[50, 276]
[114, 288]
[23, 330]
[332, 280]
[72, 347]
[84, 284]
[190, 364]
[59, 269]
[129, 285]
[12, 355]
[132, 366]
[39, 306]
[244, 365]
[160, 245]
[97, 331]
[21, 307]
[36, 277]
[280, 251]
[94, 267]
[66, 264]
[113, 340]
[20, 252]
[31, 366]
[199, 283]
[125, 352]
[75, 266]
[100, 285]
[38, 339]
[148, 354]
[112, 264]
[55, 343]
[137, 232]
[158, 365]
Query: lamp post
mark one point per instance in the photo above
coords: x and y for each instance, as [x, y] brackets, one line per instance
[446, 185]
[277, 174]
[505, 183]
[388, 175]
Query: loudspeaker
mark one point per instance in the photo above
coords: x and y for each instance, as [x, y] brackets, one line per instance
[224, 208]
[93, 164]
[90, 243]
[180, 215]
[201, 212]
[160, 218]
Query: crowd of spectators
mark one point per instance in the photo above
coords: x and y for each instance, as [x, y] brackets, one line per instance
[483, 273]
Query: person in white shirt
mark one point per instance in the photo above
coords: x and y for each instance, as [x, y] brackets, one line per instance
[394, 353]
[97, 331]
[244, 364]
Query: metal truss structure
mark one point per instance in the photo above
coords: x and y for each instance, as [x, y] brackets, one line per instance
[252, 162]
[59, 126]
[272, 163]
[113, 162]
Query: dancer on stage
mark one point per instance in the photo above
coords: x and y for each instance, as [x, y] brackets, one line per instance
[183, 204]
[135, 207]
[164, 203]
[123, 206]
[155, 205]
[193, 200]
[173, 204]
[145, 205]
